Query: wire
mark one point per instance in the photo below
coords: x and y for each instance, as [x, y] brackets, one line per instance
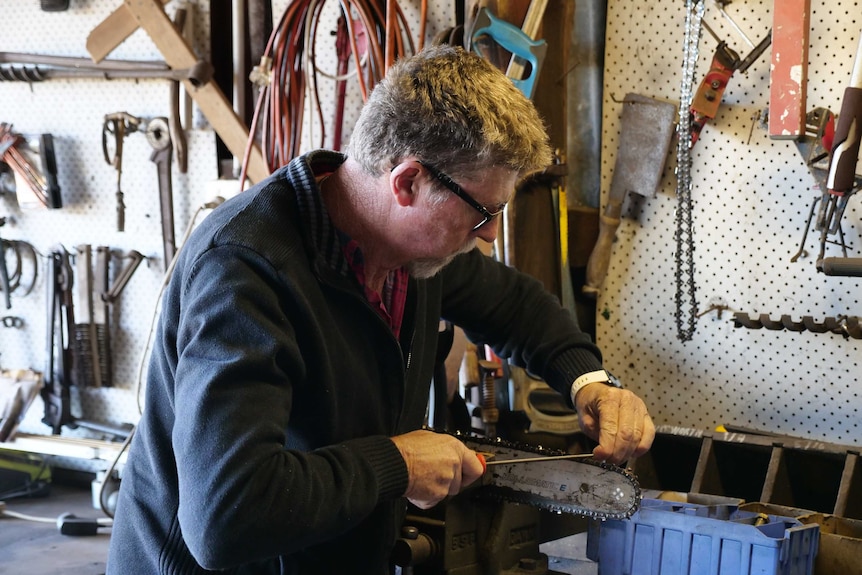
[212, 204]
[108, 479]
[91, 525]
[377, 34]
[16, 515]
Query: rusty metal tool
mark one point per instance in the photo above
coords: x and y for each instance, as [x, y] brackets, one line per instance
[725, 62]
[844, 325]
[647, 128]
[35, 185]
[85, 348]
[123, 277]
[150, 15]
[55, 393]
[4, 271]
[116, 127]
[101, 316]
[159, 137]
[178, 135]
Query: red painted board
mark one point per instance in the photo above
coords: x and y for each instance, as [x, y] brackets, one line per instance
[789, 71]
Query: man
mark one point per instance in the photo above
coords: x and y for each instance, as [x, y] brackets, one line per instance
[289, 382]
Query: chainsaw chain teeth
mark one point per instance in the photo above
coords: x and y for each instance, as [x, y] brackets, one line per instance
[509, 495]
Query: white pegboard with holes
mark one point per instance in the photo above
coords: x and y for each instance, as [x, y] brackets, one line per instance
[751, 199]
[73, 110]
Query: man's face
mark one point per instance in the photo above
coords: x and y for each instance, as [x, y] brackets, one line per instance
[451, 221]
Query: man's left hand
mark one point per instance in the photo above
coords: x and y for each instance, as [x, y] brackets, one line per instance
[617, 419]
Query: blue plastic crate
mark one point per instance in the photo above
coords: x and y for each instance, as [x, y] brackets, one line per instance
[669, 538]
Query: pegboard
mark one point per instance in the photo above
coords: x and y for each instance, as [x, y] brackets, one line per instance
[751, 199]
[73, 110]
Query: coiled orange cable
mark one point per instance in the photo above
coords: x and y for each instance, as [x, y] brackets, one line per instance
[288, 72]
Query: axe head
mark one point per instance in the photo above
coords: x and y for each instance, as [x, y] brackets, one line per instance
[647, 127]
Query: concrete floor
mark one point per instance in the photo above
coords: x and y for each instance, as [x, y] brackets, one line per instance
[36, 548]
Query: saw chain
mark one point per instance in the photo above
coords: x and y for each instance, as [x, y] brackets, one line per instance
[685, 296]
[546, 481]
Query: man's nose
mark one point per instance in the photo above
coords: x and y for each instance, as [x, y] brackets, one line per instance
[488, 232]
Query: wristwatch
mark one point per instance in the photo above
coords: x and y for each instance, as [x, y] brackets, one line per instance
[600, 376]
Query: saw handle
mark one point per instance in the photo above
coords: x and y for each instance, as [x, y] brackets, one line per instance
[600, 258]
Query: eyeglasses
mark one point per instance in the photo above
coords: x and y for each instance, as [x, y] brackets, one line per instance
[459, 191]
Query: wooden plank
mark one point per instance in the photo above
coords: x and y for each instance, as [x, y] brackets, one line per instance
[789, 72]
[112, 32]
[151, 16]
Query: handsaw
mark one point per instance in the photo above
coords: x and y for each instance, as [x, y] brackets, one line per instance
[554, 481]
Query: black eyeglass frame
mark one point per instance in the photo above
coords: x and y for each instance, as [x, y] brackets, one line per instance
[453, 187]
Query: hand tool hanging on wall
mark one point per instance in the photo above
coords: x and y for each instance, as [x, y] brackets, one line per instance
[115, 128]
[85, 347]
[60, 319]
[178, 134]
[101, 316]
[151, 16]
[814, 146]
[524, 49]
[135, 258]
[159, 137]
[4, 271]
[646, 131]
[841, 181]
[25, 262]
[519, 42]
[725, 62]
[54, 5]
[42, 67]
[848, 326]
[35, 178]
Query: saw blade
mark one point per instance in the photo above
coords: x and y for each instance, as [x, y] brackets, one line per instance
[582, 487]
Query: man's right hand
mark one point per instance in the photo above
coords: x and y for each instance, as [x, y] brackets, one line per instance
[438, 465]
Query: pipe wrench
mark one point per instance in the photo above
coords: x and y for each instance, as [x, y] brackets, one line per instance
[159, 137]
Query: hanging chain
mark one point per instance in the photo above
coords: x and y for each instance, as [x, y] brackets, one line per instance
[684, 255]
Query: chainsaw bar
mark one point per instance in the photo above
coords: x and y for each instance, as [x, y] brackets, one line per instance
[581, 487]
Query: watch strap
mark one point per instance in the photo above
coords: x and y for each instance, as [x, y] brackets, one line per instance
[598, 376]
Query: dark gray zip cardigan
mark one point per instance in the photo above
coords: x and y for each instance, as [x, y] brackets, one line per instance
[273, 389]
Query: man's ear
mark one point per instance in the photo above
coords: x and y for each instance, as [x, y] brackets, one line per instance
[404, 180]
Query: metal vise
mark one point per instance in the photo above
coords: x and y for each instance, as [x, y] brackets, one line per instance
[468, 535]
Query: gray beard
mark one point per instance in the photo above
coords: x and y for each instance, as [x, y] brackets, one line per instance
[426, 268]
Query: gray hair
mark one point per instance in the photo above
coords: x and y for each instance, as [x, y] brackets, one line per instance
[453, 109]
